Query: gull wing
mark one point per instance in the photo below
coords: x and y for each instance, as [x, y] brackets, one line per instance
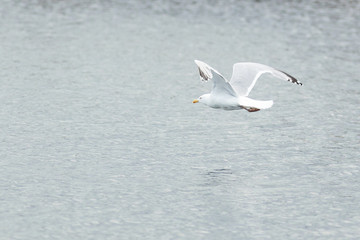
[246, 74]
[220, 84]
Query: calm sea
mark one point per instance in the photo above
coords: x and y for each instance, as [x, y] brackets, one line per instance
[99, 138]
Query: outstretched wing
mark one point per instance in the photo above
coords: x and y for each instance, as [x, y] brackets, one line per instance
[220, 84]
[246, 74]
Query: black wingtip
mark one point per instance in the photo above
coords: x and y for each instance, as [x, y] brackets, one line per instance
[203, 76]
[292, 79]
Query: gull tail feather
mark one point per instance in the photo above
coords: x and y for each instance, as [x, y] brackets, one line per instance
[255, 104]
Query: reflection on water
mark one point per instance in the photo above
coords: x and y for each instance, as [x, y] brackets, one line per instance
[100, 138]
[219, 177]
[220, 171]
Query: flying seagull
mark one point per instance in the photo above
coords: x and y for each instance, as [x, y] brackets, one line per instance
[233, 94]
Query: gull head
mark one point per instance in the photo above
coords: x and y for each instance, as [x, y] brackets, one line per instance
[202, 99]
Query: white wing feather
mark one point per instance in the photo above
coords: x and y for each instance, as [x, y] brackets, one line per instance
[246, 74]
[220, 84]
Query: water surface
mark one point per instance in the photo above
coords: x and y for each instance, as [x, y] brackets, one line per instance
[100, 140]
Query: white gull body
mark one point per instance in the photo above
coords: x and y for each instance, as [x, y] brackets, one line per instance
[233, 94]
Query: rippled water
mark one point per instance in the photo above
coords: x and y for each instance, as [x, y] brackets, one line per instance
[100, 140]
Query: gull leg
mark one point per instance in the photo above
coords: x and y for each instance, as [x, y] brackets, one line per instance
[252, 109]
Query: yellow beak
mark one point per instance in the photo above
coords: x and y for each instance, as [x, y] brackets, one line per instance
[195, 101]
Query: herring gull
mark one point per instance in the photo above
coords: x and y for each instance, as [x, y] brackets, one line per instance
[233, 94]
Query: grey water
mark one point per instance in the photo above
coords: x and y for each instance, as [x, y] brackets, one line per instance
[99, 138]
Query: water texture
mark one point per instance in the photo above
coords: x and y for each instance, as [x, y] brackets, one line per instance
[99, 138]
